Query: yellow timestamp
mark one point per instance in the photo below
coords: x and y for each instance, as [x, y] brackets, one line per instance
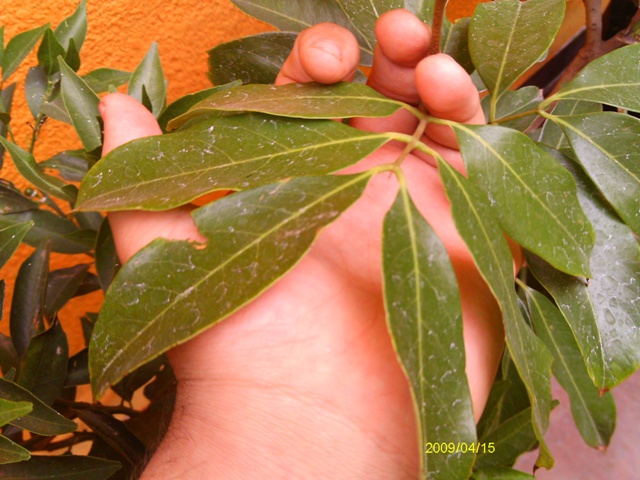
[460, 447]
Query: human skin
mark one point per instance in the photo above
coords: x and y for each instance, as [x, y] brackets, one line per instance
[303, 382]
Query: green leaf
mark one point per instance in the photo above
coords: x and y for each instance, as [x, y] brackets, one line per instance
[62, 286]
[71, 164]
[510, 439]
[44, 365]
[533, 197]
[595, 415]
[254, 59]
[311, 100]
[355, 15]
[18, 48]
[49, 51]
[425, 320]
[55, 109]
[613, 79]
[35, 88]
[27, 319]
[455, 42]
[167, 171]
[271, 226]
[11, 410]
[99, 79]
[12, 200]
[78, 369]
[10, 238]
[42, 420]
[1, 44]
[64, 467]
[501, 473]
[607, 145]
[423, 9]
[515, 102]
[507, 37]
[8, 357]
[11, 452]
[474, 221]
[50, 227]
[6, 96]
[29, 169]
[183, 104]
[82, 105]
[73, 28]
[604, 313]
[72, 57]
[551, 133]
[148, 76]
[107, 262]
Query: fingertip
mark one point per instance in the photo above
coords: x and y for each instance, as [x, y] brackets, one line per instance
[403, 38]
[457, 98]
[125, 119]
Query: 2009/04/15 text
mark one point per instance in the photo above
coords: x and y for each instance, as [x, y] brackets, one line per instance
[462, 447]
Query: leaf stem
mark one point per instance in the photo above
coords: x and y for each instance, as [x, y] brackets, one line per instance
[415, 139]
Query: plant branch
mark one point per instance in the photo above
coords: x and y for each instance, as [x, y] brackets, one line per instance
[436, 28]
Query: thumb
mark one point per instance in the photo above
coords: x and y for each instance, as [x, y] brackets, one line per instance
[125, 119]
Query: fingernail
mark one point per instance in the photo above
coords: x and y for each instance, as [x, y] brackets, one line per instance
[329, 47]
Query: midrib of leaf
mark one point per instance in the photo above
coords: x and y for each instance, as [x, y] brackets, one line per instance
[350, 19]
[566, 93]
[241, 162]
[124, 350]
[325, 97]
[509, 305]
[567, 368]
[580, 133]
[526, 187]
[275, 12]
[503, 63]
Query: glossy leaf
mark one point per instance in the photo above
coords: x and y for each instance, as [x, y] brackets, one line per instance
[137, 379]
[35, 88]
[55, 109]
[62, 286]
[183, 104]
[515, 102]
[423, 9]
[115, 433]
[311, 100]
[49, 51]
[71, 164]
[82, 105]
[163, 172]
[10, 238]
[604, 313]
[508, 36]
[11, 452]
[594, 415]
[8, 357]
[99, 79]
[613, 79]
[13, 200]
[474, 221]
[44, 365]
[10, 410]
[63, 467]
[107, 262]
[425, 320]
[78, 369]
[27, 315]
[6, 96]
[18, 48]
[42, 420]
[297, 16]
[29, 169]
[551, 133]
[72, 57]
[533, 197]
[254, 59]
[1, 44]
[270, 227]
[501, 473]
[148, 77]
[73, 28]
[607, 145]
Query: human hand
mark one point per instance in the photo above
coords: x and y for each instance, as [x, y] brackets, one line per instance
[303, 382]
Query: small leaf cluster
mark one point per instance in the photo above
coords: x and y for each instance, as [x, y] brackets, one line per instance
[43, 389]
[559, 175]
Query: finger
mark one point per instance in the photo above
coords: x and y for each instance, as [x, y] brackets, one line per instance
[403, 40]
[325, 53]
[124, 120]
[447, 92]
